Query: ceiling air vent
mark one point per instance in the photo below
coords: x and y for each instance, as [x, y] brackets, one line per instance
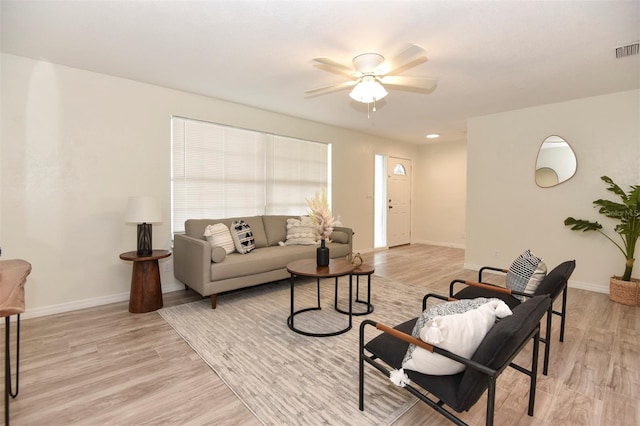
[628, 50]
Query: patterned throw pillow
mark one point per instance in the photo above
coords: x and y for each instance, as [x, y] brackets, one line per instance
[219, 235]
[526, 273]
[242, 236]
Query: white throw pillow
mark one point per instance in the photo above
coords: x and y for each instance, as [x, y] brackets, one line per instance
[301, 232]
[441, 309]
[526, 273]
[457, 333]
[219, 235]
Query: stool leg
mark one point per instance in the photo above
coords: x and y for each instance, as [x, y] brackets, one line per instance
[7, 365]
[13, 395]
[7, 371]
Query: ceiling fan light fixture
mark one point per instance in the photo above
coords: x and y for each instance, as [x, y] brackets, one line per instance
[368, 90]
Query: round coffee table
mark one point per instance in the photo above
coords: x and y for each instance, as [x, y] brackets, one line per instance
[308, 268]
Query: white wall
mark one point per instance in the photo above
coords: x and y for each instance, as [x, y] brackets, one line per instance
[76, 144]
[440, 194]
[507, 212]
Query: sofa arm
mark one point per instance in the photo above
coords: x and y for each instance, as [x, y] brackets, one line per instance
[349, 233]
[192, 261]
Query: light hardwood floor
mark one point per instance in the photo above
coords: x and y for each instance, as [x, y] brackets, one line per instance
[106, 366]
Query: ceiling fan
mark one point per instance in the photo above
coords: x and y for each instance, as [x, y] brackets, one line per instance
[371, 73]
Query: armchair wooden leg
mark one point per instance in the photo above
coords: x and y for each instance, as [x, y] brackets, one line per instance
[214, 300]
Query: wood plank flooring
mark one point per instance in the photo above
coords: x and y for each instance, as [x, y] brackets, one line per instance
[104, 365]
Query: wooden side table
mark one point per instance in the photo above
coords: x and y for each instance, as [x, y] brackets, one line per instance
[146, 290]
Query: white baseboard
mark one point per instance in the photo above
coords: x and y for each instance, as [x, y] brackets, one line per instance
[439, 243]
[88, 303]
[598, 288]
[472, 267]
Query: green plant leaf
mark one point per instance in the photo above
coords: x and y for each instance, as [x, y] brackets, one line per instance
[582, 225]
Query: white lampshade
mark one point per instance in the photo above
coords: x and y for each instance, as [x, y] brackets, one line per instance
[368, 90]
[143, 209]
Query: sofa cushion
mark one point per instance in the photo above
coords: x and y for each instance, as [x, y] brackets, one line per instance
[268, 259]
[194, 228]
[242, 236]
[275, 228]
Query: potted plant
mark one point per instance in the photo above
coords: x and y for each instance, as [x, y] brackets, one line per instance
[627, 214]
[322, 218]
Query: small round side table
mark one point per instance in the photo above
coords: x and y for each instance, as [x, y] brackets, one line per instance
[146, 290]
[360, 270]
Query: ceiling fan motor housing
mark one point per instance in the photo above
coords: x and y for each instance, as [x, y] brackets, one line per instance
[366, 63]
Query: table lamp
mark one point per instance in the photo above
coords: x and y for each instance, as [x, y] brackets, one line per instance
[144, 211]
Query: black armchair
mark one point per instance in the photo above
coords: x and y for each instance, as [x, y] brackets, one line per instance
[554, 284]
[459, 391]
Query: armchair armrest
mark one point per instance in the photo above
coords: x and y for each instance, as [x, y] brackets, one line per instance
[490, 268]
[486, 286]
[437, 296]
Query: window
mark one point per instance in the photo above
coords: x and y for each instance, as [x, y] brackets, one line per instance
[399, 170]
[221, 171]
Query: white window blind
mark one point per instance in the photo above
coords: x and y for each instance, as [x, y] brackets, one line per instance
[220, 171]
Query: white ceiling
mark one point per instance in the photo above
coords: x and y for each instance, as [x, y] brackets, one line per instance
[488, 56]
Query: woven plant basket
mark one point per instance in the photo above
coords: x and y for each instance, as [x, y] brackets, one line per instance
[624, 292]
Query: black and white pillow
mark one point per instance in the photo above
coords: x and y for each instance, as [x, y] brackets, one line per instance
[242, 236]
[526, 273]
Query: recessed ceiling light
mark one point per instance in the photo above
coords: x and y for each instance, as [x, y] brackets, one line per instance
[433, 136]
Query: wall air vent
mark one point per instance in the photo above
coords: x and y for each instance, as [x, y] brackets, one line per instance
[628, 50]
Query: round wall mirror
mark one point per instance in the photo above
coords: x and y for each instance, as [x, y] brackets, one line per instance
[556, 162]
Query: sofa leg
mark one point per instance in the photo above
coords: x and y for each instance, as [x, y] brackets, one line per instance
[214, 299]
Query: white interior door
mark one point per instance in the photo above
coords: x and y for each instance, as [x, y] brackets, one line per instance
[399, 201]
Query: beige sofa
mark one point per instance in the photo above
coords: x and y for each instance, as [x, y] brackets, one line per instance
[194, 267]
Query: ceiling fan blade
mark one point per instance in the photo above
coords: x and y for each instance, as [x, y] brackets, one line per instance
[410, 57]
[332, 88]
[422, 83]
[333, 66]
